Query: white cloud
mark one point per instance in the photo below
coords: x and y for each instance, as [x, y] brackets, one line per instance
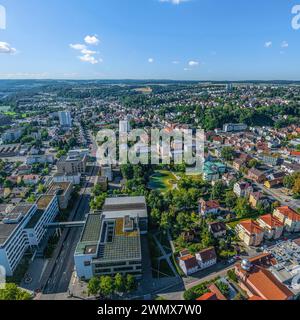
[78, 46]
[150, 60]
[7, 48]
[174, 1]
[284, 44]
[92, 40]
[87, 54]
[268, 44]
[193, 63]
[90, 59]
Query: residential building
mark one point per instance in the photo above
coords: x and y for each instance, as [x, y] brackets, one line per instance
[45, 158]
[12, 135]
[233, 127]
[273, 227]
[250, 232]
[242, 189]
[289, 217]
[217, 229]
[65, 119]
[189, 264]
[72, 164]
[208, 207]
[206, 258]
[256, 175]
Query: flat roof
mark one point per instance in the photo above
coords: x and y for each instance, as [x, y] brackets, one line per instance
[34, 219]
[44, 201]
[17, 214]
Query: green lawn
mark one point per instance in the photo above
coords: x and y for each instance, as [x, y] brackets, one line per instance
[162, 180]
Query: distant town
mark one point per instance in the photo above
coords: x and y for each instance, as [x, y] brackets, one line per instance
[74, 229]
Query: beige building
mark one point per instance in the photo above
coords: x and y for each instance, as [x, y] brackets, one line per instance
[63, 191]
[272, 226]
[289, 217]
[73, 163]
[250, 232]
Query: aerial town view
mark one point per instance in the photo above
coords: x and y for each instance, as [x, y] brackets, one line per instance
[148, 152]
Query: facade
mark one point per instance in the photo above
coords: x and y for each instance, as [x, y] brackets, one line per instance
[256, 175]
[208, 207]
[111, 242]
[48, 158]
[106, 171]
[11, 135]
[23, 227]
[289, 217]
[217, 229]
[72, 178]
[72, 164]
[204, 259]
[65, 119]
[250, 232]
[273, 228]
[63, 191]
[242, 189]
[233, 127]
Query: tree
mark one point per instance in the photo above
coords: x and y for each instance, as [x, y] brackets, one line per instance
[130, 284]
[13, 292]
[41, 188]
[253, 163]
[217, 190]
[94, 286]
[232, 275]
[228, 153]
[296, 187]
[230, 199]
[119, 283]
[106, 286]
[242, 208]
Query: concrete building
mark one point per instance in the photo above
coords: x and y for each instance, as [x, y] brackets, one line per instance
[250, 232]
[273, 228]
[63, 191]
[72, 178]
[65, 119]
[233, 127]
[23, 227]
[111, 242]
[72, 164]
[12, 135]
[289, 217]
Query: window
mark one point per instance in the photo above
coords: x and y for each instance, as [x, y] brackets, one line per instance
[87, 263]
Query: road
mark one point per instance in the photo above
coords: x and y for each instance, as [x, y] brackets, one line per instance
[61, 273]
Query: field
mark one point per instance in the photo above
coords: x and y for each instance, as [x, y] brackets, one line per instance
[162, 180]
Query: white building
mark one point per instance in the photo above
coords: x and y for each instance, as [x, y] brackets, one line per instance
[22, 228]
[124, 126]
[111, 241]
[233, 127]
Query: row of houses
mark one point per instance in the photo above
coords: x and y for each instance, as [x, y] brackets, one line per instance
[270, 226]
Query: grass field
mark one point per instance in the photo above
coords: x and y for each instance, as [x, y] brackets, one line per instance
[162, 180]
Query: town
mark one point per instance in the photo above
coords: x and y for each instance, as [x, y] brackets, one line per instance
[72, 228]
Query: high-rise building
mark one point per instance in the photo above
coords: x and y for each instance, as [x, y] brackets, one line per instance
[124, 126]
[65, 118]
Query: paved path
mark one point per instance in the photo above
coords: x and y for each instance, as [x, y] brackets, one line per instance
[166, 256]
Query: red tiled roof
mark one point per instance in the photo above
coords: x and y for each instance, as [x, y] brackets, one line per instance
[208, 296]
[214, 289]
[271, 221]
[189, 261]
[295, 153]
[262, 282]
[251, 226]
[289, 213]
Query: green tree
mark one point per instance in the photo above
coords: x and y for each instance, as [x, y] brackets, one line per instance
[130, 283]
[228, 153]
[242, 208]
[13, 292]
[106, 286]
[230, 199]
[119, 283]
[93, 286]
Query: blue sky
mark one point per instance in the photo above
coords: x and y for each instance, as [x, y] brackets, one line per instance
[150, 39]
